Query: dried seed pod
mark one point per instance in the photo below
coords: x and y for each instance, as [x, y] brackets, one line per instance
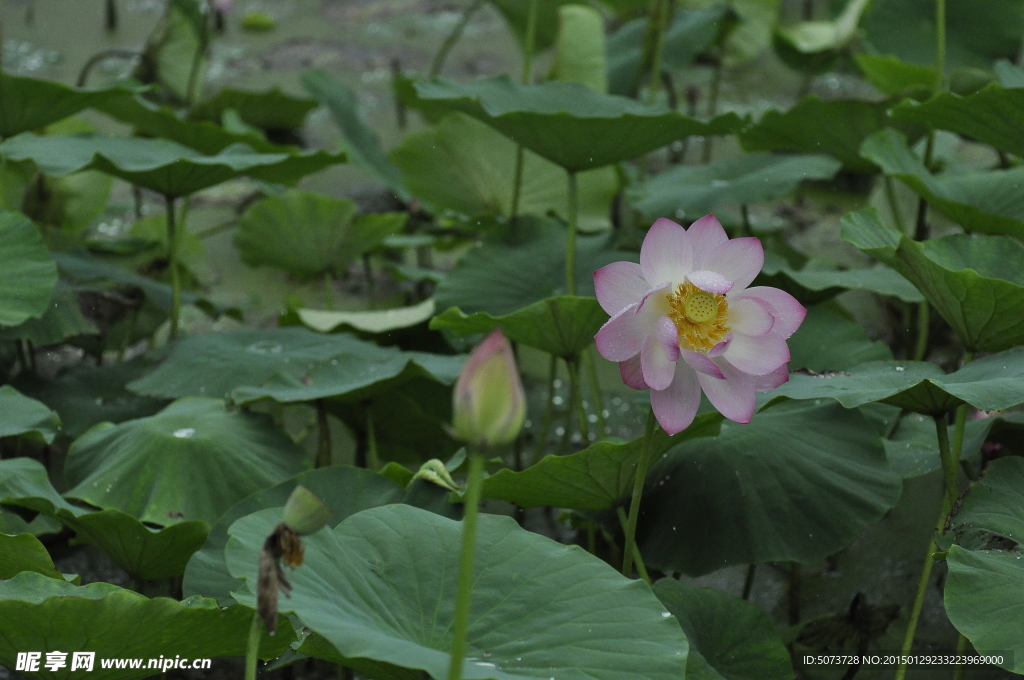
[284, 543]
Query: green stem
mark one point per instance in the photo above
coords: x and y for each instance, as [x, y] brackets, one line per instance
[716, 87]
[745, 213]
[371, 288]
[961, 649]
[460, 641]
[659, 12]
[531, 31]
[638, 490]
[641, 568]
[595, 386]
[923, 321]
[940, 42]
[748, 582]
[323, 449]
[172, 259]
[948, 497]
[574, 397]
[581, 412]
[545, 428]
[570, 243]
[252, 648]
[453, 37]
[894, 206]
[371, 440]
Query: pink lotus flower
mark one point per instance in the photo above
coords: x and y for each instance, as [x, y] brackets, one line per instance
[684, 320]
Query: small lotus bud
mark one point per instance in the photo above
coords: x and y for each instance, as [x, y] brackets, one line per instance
[304, 513]
[489, 404]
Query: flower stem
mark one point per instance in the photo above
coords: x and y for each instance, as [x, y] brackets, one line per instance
[531, 30]
[948, 497]
[595, 386]
[453, 37]
[577, 390]
[371, 441]
[323, 448]
[460, 641]
[748, 582]
[570, 244]
[638, 490]
[172, 259]
[940, 42]
[641, 568]
[252, 648]
[659, 18]
[923, 321]
[545, 428]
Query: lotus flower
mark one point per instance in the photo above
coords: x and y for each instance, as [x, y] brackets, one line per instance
[684, 320]
[488, 403]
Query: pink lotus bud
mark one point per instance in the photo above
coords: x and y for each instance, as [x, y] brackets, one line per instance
[489, 405]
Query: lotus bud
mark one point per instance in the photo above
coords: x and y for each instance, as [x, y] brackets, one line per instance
[489, 405]
[304, 513]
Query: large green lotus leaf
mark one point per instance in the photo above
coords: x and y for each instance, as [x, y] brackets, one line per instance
[63, 319]
[309, 234]
[797, 484]
[502, 276]
[975, 282]
[895, 77]
[568, 123]
[691, 32]
[87, 270]
[319, 648]
[993, 383]
[32, 104]
[563, 326]
[984, 593]
[977, 31]
[288, 364]
[539, 609]
[465, 166]
[913, 447]
[160, 165]
[53, 615]
[27, 274]
[827, 341]
[988, 202]
[730, 639]
[268, 110]
[86, 395]
[993, 505]
[141, 551]
[193, 460]
[24, 552]
[815, 126]
[693, 191]
[993, 115]
[820, 280]
[597, 478]
[984, 599]
[368, 321]
[25, 416]
[361, 141]
[344, 490]
[411, 419]
[153, 120]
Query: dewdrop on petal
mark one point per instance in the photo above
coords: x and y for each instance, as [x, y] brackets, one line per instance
[488, 403]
